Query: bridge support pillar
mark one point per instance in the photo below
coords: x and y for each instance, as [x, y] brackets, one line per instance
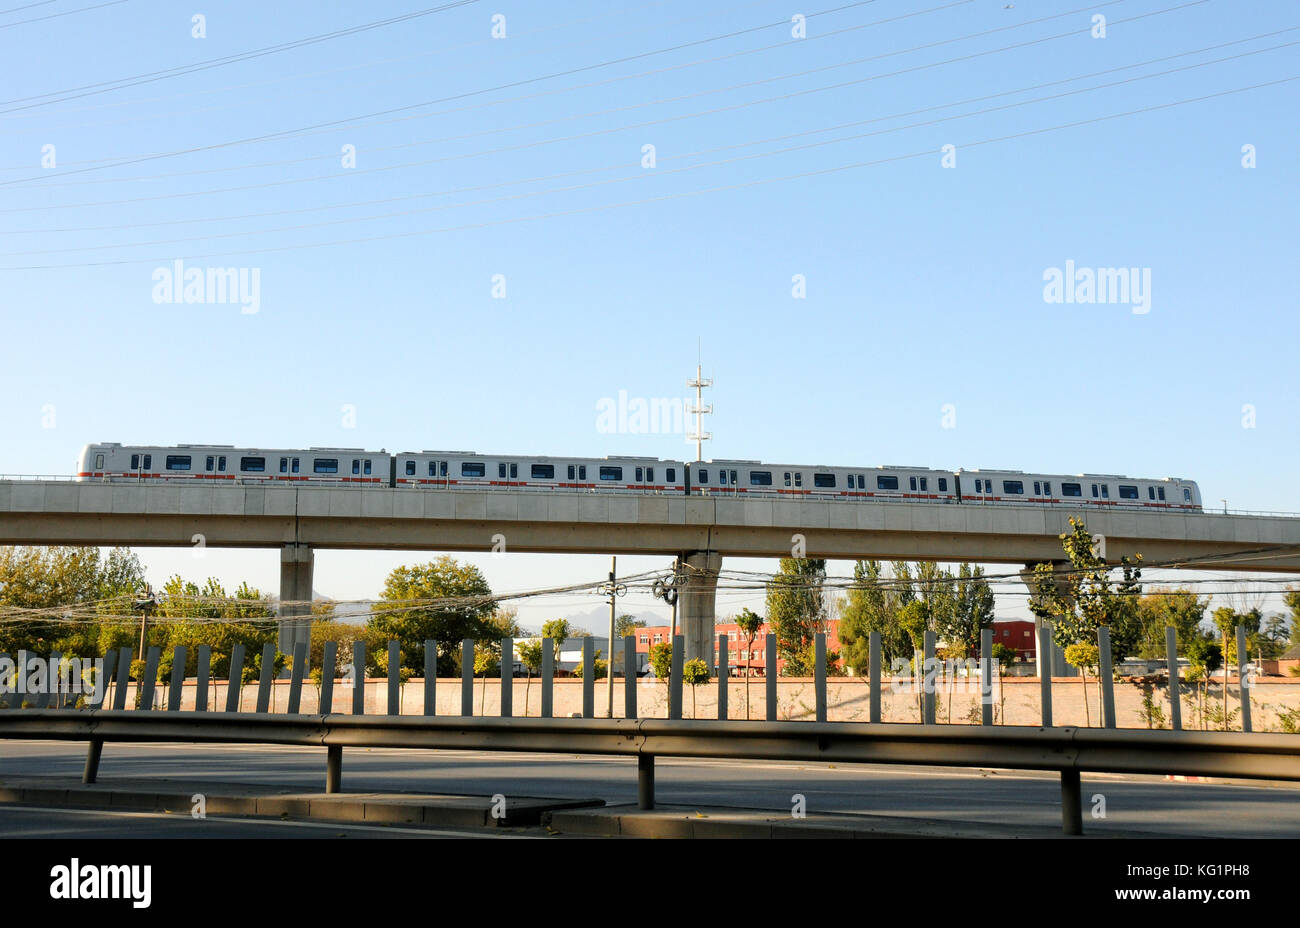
[294, 614]
[1052, 661]
[697, 605]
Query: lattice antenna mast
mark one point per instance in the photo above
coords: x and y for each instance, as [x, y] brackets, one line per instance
[699, 436]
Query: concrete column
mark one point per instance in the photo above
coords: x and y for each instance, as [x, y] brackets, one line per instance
[697, 604]
[296, 563]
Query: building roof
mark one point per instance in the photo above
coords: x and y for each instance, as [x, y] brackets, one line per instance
[1291, 654]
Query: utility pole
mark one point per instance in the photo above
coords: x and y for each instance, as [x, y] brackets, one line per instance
[615, 590]
[699, 410]
[145, 606]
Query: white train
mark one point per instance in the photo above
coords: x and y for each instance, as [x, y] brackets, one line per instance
[114, 462]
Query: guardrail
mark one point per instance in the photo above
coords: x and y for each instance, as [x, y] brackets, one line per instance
[1069, 751]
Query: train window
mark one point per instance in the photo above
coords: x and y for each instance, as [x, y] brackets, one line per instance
[1094, 491]
[640, 475]
[925, 484]
[582, 471]
[178, 462]
[1126, 492]
[253, 465]
[501, 470]
[787, 478]
[1161, 491]
[148, 462]
[722, 477]
[1038, 488]
[1151, 492]
[1013, 487]
[703, 475]
[650, 474]
[221, 463]
[545, 471]
[611, 473]
[1071, 489]
[366, 467]
[798, 479]
[1047, 488]
[911, 483]
[433, 468]
[325, 465]
[135, 462]
[410, 468]
[979, 486]
[823, 480]
[99, 462]
[1187, 495]
[209, 463]
[1105, 491]
[570, 471]
[293, 466]
[442, 468]
[514, 471]
[861, 482]
[671, 475]
[760, 478]
[943, 484]
[473, 469]
[733, 478]
[356, 465]
[284, 465]
[886, 483]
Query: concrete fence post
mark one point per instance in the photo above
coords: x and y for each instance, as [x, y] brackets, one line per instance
[150, 677]
[1106, 675]
[176, 688]
[328, 659]
[298, 670]
[873, 670]
[724, 677]
[986, 676]
[507, 677]
[266, 677]
[928, 680]
[394, 677]
[770, 675]
[1244, 681]
[675, 678]
[358, 678]
[122, 683]
[204, 670]
[819, 674]
[430, 677]
[1045, 672]
[1175, 687]
[467, 677]
[629, 677]
[588, 678]
[548, 677]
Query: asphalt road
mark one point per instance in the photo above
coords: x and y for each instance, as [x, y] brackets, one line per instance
[1016, 798]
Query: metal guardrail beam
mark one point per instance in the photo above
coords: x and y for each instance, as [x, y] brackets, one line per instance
[1068, 751]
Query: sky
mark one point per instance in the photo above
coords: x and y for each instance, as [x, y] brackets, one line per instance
[466, 226]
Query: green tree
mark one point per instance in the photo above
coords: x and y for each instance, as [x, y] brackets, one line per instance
[661, 661]
[1204, 657]
[530, 653]
[694, 673]
[559, 631]
[626, 625]
[796, 610]
[601, 667]
[972, 609]
[1084, 655]
[442, 601]
[750, 624]
[1162, 607]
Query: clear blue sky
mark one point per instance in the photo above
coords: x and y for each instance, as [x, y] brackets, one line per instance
[924, 283]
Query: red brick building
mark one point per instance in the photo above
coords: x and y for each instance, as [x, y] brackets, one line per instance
[1017, 634]
[740, 658]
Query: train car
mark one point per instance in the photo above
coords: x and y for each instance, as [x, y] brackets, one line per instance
[753, 478]
[460, 469]
[116, 463]
[991, 487]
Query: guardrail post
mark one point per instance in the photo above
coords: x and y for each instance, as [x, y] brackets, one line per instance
[394, 677]
[358, 678]
[819, 673]
[328, 658]
[265, 678]
[723, 675]
[588, 678]
[123, 678]
[645, 781]
[430, 678]
[928, 681]
[204, 670]
[295, 681]
[236, 675]
[1242, 683]
[770, 675]
[1175, 687]
[150, 678]
[675, 679]
[467, 677]
[1045, 673]
[333, 768]
[548, 677]
[1106, 673]
[508, 676]
[873, 669]
[629, 677]
[986, 676]
[1071, 802]
[176, 688]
